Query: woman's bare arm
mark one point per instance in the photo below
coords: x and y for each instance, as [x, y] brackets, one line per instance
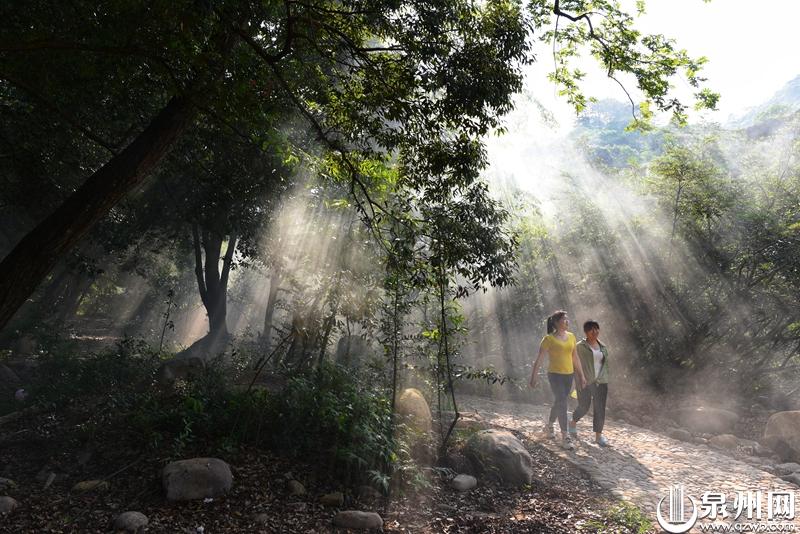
[536, 364]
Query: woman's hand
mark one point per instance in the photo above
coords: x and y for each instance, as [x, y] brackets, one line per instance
[533, 382]
[582, 381]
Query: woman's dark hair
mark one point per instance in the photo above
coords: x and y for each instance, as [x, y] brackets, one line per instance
[588, 325]
[553, 319]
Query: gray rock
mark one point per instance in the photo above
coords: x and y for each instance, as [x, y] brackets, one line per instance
[787, 468]
[334, 500]
[358, 520]
[464, 482]
[782, 435]
[6, 484]
[726, 442]
[680, 434]
[196, 478]
[499, 453]
[134, 522]
[7, 505]
[762, 450]
[262, 519]
[295, 488]
[706, 419]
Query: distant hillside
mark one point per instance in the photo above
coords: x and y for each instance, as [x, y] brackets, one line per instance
[601, 132]
[783, 103]
[601, 129]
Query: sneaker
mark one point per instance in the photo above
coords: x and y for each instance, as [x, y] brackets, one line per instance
[572, 428]
[602, 442]
[568, 444]
[549, 430]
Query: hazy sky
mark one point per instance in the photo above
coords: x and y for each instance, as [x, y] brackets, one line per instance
[751, 46]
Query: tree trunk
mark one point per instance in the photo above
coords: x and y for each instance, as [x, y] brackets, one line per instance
[213, 284]
[272, 300]
[37, 253]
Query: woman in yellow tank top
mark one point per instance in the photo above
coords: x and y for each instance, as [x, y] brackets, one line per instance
[560, 347]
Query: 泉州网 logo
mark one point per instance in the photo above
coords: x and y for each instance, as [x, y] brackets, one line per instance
[678, 512]
[677, 522]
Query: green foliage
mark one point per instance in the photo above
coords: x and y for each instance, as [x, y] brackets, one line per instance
[332, 412]
[614, 41]
[622, 518]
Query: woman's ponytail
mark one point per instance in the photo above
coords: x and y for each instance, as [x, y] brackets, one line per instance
[553, 319]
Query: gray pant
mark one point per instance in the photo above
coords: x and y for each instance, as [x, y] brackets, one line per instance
[597, 393]
[560, 385]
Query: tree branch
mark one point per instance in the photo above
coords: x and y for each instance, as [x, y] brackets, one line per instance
[287, 41]
[198, 263]
[592, 34]
[226, 261]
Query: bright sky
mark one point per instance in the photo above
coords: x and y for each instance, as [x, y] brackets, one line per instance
[751, 47]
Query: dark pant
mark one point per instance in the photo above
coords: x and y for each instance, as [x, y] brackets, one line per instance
[597, 393]
[560, 385]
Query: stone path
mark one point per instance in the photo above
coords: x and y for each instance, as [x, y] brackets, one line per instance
[640, 465]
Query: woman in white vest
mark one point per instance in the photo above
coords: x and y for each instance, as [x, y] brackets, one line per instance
[594, 361]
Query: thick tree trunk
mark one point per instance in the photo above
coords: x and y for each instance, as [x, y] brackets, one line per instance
[213, 284]
[39, 251]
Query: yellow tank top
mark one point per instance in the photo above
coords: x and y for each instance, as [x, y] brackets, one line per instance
[560, 353]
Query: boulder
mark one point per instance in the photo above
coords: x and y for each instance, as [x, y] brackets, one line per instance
[413, 409]
[762, 450]
[134, 522]
[471, 422]
[333, 500]
[180, 369]
[726, 442]
[680, 434]
[782, 435]
[787, 468]
[295, 488]
[707, 420]
[196, 478]
[91, 485]
[463, 482]
[499, 453]
[7, 505]
[358, 520]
